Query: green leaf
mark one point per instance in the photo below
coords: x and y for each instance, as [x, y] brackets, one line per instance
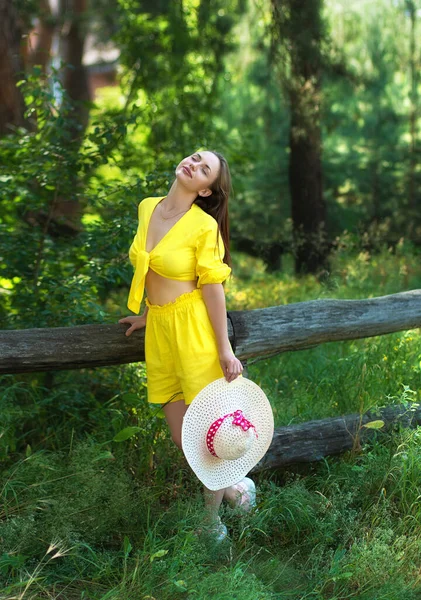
[105, 455]
[11, 561]
[158, 554]
[374, 424]
[181, 585]
[130, 397]
[126, 433]
[160, 414]
[346, 575]
[127, 546]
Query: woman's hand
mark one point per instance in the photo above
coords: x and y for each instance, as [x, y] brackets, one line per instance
[231, 366]
[135, 322]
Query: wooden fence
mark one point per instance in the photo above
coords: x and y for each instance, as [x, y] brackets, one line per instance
[253, 333]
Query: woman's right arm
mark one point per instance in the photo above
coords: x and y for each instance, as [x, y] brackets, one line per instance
[135, 322]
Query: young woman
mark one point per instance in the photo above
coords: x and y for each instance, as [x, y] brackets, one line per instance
[181, 256]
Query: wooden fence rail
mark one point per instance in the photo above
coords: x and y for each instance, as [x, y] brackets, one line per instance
[259, 332]
[312, 441]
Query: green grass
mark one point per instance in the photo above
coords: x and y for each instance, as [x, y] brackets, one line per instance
[82, 516]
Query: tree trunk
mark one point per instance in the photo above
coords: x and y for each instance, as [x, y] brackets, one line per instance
[12, 106]
[40, 39]
[312, 441]
[270, 253]
[65, 217]
[75, 75]
[414, 67]
[300, 33]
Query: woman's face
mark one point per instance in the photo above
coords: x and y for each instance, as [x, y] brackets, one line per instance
[198, 171]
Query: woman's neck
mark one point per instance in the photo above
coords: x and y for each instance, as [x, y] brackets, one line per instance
[178, 198]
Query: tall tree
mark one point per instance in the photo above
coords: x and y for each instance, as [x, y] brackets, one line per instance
[41, 37]
[299, 31]
[254, 123]
[414, 64]
[12, 106]
[75, 80]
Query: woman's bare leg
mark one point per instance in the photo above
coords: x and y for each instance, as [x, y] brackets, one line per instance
[174, 413]
[213, 501]
[230, 494]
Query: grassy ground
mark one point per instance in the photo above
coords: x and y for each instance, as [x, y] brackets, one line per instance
[83, 516]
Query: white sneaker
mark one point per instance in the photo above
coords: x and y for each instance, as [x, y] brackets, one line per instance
[217, 531]
[245, 496]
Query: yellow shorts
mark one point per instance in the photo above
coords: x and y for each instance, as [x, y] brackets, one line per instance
[180, 349]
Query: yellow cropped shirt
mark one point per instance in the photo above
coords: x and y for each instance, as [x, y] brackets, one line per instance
[187, 251]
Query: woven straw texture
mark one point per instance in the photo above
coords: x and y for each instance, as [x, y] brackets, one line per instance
[212, 402]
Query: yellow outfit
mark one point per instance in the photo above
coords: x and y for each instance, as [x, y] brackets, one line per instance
[180, 344]
[188, 250]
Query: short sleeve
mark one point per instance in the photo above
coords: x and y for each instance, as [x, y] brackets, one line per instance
[210, 267]
[134, 248]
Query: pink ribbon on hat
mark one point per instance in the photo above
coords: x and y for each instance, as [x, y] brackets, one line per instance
[239, 419]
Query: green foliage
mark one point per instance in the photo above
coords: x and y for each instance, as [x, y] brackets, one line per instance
[182, 48]
[328, 533]
[366, 119]
[255, 123]
[329, 379]
[50, 273]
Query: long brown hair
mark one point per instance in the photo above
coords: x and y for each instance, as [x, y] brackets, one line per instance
[216, 204]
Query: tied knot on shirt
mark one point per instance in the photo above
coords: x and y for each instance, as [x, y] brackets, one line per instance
[189, 250]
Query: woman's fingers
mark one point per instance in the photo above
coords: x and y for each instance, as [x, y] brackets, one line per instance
[130, 322]
[232, 369]
[134, 322]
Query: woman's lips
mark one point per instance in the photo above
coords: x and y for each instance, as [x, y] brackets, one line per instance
[188, 171]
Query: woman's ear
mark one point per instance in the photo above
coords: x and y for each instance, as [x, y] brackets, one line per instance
[205, 192]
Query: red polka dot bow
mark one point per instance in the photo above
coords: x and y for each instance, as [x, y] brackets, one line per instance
[239, 419]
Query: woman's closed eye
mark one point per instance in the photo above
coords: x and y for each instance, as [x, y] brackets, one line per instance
[196, 158]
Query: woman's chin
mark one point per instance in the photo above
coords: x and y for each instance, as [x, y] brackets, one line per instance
[184, 180]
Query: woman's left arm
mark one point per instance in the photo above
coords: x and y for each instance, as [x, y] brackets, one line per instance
[214, 297]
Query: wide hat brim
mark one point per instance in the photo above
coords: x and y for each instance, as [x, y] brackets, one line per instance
[214, 401]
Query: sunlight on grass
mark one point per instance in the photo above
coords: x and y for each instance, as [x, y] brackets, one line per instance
[87, 218]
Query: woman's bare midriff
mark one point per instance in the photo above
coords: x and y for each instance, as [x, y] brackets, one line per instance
[161, 290]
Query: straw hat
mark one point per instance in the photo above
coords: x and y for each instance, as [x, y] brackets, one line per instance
[226, 431]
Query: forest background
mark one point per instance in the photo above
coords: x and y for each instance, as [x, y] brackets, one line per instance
[316, 107]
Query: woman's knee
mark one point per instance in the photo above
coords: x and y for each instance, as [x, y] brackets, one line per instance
[176, 438]
[174, 413]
